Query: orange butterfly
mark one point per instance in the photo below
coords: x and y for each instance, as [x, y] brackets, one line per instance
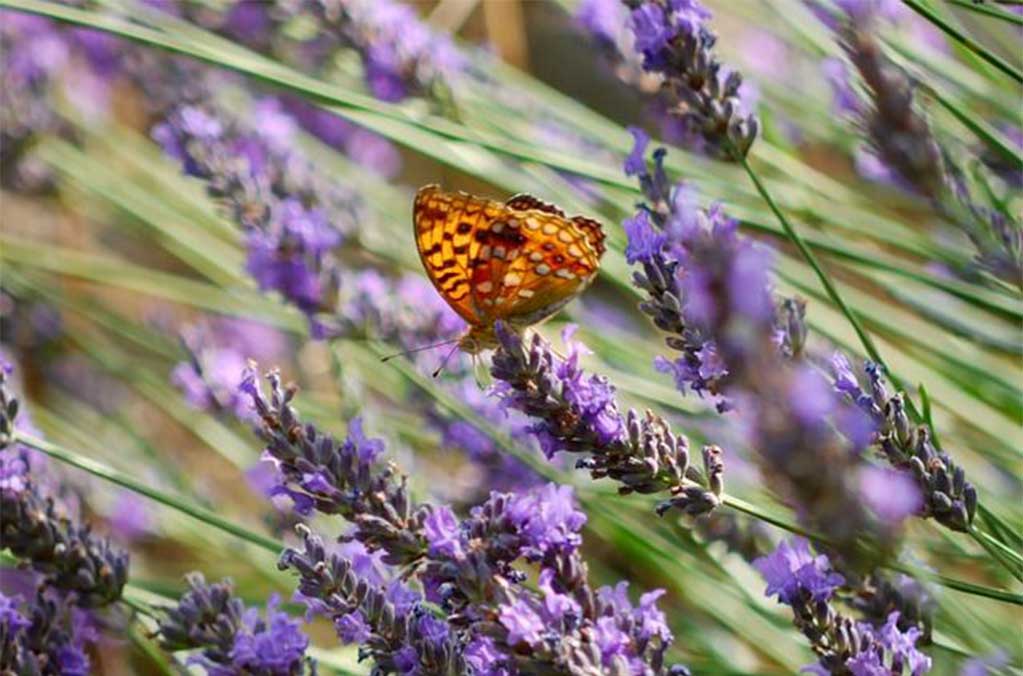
[518, 261]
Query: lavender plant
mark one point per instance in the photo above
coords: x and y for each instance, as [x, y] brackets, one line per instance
[498, 583]
[806, 583]
[676, 46]
[73, 571]
[230, 638]
[947, 496]
[466, 567]
[577, 413]
[906, 150]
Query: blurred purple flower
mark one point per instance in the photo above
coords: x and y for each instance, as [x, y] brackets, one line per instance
[792, 570]
[361, 145]
[219, 351]
[635, 163]
[602, 18]
[892, 495]
[129, 516]
[248, 20]
[643, 240]
[810, 396]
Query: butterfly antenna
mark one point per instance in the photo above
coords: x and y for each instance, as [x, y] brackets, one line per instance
[421, 348]
[445, 362]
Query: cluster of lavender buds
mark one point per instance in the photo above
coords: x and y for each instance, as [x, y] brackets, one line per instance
[577, 413]
[903, 148]
[897, 131]
[217, 354]
[489, 620]
[400, 54]
[230, 638]
[37, 529]
[681, 248]
[73, 570]
[709, 289]
[45, 636]
[395, 630]
[947, 496]
[292, 219]
[807, 584]
[676, 43]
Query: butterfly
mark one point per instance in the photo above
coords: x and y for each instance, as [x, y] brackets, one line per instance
[518, 261]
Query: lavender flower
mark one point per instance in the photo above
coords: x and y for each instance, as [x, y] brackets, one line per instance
[47, 635]
[401, 56]
[230, 637]
[793, 571]
[467, 568]
[398, 640]
[38, 530]
[292, 218]
[806, 583]
[675, 43]
[34, 54]
[217, 354]
[897, 132]
[946, 495]
[906, 152]
[578, 414]
[709, 289]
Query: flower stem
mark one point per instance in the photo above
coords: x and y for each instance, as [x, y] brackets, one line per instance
[829, 287]
[965, 40]
[121, 479]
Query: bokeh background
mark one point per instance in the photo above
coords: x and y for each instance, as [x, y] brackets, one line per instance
[129, 307]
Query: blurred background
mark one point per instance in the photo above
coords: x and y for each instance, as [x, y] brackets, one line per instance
[130, 302]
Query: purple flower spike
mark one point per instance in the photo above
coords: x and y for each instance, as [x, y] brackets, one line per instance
[578, 414]
[792, 571]
[635, 163]
[644, 241]
[675, 43]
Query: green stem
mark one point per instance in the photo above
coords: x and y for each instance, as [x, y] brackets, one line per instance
[993, 12]
[965, 40]
[1008, 558]
[917, 572]
[825, 280]
[114, 476]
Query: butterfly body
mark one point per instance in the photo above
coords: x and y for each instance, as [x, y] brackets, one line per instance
[518, 261]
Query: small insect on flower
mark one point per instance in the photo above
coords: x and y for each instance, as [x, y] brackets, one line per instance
[518, 261]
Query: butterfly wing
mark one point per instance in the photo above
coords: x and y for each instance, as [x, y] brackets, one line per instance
[444, 226]
[537, 261]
